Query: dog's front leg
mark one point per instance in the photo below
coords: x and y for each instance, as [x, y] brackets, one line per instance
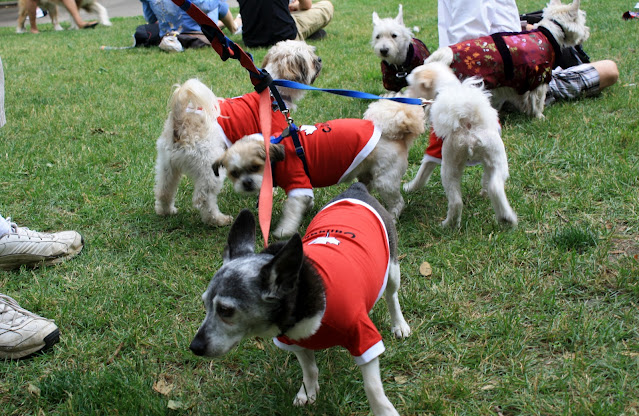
[292, 215]
[310, 384]
[380, 405]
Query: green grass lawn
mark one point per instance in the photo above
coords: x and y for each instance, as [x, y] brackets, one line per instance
[543, 320]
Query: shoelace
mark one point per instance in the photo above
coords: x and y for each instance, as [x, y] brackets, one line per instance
[8, 304]
[25, 232]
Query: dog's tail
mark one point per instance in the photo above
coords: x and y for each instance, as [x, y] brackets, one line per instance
[463, 106]
[191, 104]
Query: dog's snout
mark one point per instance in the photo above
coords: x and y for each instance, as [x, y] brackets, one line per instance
[198, 345]
[384, 51]
[248, 184]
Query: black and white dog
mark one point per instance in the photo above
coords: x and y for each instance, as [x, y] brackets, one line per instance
[311, 292]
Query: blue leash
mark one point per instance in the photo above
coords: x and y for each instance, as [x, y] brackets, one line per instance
[348, 93]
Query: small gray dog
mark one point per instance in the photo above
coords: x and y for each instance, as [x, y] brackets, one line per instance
[311, 292]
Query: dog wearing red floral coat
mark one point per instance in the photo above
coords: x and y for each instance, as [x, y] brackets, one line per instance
[517, 67]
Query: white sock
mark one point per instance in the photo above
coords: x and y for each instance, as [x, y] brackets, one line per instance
[5, 227]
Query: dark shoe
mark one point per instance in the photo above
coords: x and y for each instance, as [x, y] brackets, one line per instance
[320, 34]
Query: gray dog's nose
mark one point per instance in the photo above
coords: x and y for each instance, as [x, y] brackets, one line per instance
[198, 346]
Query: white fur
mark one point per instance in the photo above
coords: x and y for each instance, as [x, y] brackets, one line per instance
[188, 145]
[461, 114]
[382, 170]
[532, 102]
[199, 141]
[391, 38]
[90, 6]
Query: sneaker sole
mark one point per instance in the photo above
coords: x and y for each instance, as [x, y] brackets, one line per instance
[49, 341]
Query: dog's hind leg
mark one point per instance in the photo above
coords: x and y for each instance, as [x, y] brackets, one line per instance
[380, 405]
[167, 180]
[399, 327]
[310, 384]
[494, 180]
[451, 179]
[423, 174]
[53, 12]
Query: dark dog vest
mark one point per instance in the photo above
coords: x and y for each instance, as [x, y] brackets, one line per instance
[394, 76]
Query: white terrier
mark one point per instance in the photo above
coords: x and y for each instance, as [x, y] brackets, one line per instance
[399, 51]
[461, 115]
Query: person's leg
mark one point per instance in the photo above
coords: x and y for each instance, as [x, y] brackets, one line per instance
[503, 16]
[608, 73]
[462, 20]
[585, 80]
[311, 20]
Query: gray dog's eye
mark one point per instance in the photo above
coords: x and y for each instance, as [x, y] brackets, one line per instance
[225, 312]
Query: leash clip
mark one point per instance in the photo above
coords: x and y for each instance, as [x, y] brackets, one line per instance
[425, 102]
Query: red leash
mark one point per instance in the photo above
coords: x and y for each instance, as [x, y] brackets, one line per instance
[262, 83]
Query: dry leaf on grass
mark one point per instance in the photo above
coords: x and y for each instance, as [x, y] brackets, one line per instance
[425, 269]
[163, 386]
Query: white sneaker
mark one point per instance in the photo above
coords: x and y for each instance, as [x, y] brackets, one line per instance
[31, 248]
[23, 333]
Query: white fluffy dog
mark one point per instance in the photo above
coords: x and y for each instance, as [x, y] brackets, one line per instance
[373, 150]
[200, 127]
[399, 51]
[462, 116]
[517, 67]
[90, 6]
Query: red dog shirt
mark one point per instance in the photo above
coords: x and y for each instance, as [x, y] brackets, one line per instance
[240, 116]
[348, 244]
[333, 149]
[522, 60]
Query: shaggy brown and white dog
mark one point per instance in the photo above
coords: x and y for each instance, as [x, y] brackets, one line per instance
[517, 67]
[200, 126]
[373, 150]
[90, 6]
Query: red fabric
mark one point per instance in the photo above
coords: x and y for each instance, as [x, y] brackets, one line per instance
[330, 148]
[434, 148]
[348, 244]
[240, 116]
[532, 54]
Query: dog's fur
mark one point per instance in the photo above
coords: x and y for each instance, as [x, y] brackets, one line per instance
[280, 292]
[392, 42]
[461, 114]
[90, 6]
[381, 170]
[566, 24]
[192, 141]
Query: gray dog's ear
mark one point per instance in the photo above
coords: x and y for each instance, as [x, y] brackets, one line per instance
[283, 271]
[216, 166]
[241, 241]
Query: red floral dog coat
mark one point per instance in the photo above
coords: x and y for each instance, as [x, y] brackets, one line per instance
[394, 76]
[522, 60]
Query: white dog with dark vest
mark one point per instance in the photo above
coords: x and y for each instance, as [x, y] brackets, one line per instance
[312, 292]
